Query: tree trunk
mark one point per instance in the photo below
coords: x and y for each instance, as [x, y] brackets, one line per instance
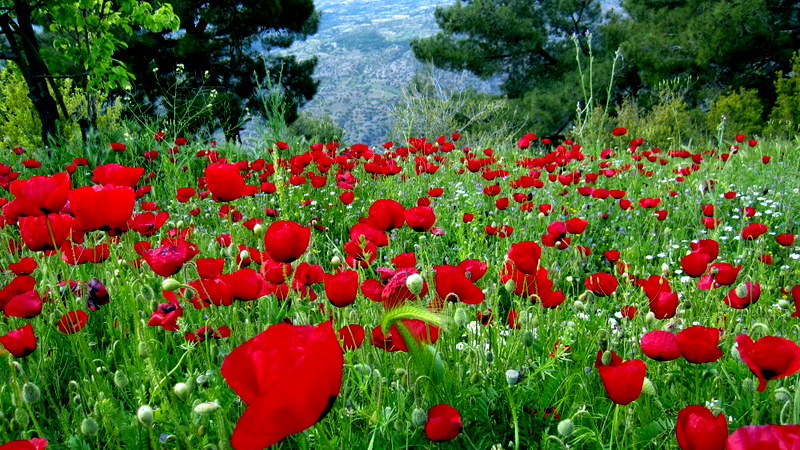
[25, 48]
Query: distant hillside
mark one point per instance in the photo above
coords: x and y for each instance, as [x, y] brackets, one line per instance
[365, 61]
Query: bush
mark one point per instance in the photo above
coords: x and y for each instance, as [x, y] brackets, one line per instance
[316, 129]
[743, 113]
[784, 119]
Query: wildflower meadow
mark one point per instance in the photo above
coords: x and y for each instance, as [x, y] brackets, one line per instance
[168, 292]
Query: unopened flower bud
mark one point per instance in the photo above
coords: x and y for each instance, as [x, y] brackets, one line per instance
[578, 305]
[181, 390]
[510, 286]
[206, 408]
[606, 358]
[259, 230]
[748, 385]
[528, 340]
[664, 269]
[363, 369]
[336, 261]
[648, 388]
[782, 395]
[244, 254]
[565, 428]
[414, 283]
[147, 293]
[145, 415]
[89, 427]
[419, 417]
[489, 357]
[170, 284]
[741, 290]
[460, 317]
[31, 393]
[649, 317]
[512, 377]
[120, 379]
[142, 350]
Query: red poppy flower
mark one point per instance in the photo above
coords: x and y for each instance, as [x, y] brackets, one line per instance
[20, 342]
[167, 314]
[117, 175]
[38, 195]
[443, 424]
[629, 311]
[45, 232]
[396, 291]
[474, 269]
[341, 288]
[32, 444]
[72, 322]
[743, 295]
[601, 284]
[184, 194]
[664, 305]
[168, 259]
[786, 239]
[386, 215]
[25, 304]
[526, 256]
[205, 332]
[695, 264]
[452, 284]
[769, 357]
[288, 376]
[377, 237]
[619, 131]
[25, 266]
[753, 231]
[421, 332]
[700, 344]
[117, 147]
[698, 429]
[286, 241]
[766, 437]
[660, 345]
[246, 284]
[420, 218]
[225, 181]
[102, 208]
[351, 336]
[624, 381]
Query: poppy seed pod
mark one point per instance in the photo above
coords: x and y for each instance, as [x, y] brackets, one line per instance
[512, 377]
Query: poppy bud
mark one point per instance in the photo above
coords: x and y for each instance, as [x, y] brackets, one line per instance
[18, 367]
[489, 357]
[606, 358]
[201, 380]
[414, 283]
[259, 230]
[244, 254]
[748, 385]
[21, 417]
[578, 305]
[510, 286]
[648, 388]
[528, 340]
[566, 428]
[649, 317]
[363, 369]
[400, 372]
[419, 417]
[170, 284]
[31, 393]
[181, 390]
[741, 290]
[336, 261]
[142, 350]
[512, 377]
[460, 317]
[179, 224]
[120, 379]
[89, 427]
[664, 269]
[782, 395]
[147, 293]
[206, 408]
[145, 415]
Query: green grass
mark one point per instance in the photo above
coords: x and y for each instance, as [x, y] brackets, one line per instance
[107, 371]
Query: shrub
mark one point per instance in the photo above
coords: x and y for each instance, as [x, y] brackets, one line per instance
[784, 119]
[743, 112]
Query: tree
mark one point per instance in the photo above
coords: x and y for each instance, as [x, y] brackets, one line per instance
[219, 57]
[529, 44]
[83, 46]
[726, 44]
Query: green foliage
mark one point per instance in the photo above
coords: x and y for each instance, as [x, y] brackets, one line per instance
[670, 122]
[316, 129]
[785, 115]
[725, 44]
[222, 46]
[742, 110]
[527, 44]
[426, 108]
[20, 125]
